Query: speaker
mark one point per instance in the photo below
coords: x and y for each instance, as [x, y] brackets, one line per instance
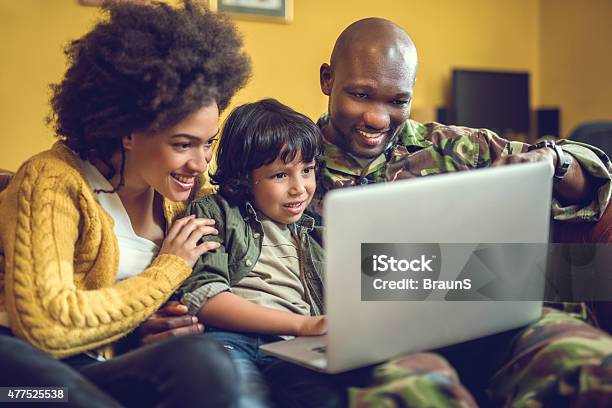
[547, 122]
[442, 116]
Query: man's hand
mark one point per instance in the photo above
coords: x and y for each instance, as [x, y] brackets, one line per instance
[312, 326]
[528, 157]
[169, 321]
[577, 187]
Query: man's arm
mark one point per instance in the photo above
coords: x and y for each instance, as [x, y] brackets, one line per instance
[231, 312]
[576, 187]
[583, 194]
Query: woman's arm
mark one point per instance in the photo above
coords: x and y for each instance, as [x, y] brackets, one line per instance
[47, 213]
[231, 312]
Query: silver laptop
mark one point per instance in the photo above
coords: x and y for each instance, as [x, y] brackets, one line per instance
[509, 204]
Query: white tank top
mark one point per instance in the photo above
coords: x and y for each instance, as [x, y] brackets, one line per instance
[135, 253]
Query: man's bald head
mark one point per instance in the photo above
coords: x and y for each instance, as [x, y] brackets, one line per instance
[369, 82]
[374, 36]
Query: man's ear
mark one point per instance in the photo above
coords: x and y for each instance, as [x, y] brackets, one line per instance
[127, 142]
[326, 78]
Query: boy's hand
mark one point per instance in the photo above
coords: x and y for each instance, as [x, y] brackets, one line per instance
[312, 326]
[169, 321]
[182, 239]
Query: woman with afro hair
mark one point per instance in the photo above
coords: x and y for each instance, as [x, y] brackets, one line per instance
[93, 240]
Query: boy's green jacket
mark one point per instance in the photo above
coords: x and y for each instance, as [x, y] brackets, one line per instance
[241, 237]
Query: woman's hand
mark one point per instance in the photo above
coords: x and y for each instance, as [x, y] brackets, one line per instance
[169, 321]
[182, 239]
[312, 326]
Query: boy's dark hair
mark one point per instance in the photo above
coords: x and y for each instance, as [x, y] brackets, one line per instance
[145, 68]
[254, 135]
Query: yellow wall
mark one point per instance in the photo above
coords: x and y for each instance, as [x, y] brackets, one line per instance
[576, 55]
[33, 33]
[448, 33]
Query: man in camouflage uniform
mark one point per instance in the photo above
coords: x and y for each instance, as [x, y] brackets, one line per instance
[559, 359]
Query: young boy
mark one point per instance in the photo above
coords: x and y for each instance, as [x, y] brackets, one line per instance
[264, 282]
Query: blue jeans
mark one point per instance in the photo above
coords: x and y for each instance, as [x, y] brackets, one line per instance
[266, 381]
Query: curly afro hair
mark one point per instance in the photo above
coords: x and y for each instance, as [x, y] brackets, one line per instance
[145, 68]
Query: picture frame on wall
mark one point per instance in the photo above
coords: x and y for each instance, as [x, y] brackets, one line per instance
[93, 3]
[96, 3]
[280, 11]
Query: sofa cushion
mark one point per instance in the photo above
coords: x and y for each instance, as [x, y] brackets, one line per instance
[5, 178]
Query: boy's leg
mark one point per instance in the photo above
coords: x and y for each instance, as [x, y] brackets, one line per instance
[557, 361]
[242, 347]
[417, 380]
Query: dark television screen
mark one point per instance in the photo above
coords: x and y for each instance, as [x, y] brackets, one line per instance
[495, 100]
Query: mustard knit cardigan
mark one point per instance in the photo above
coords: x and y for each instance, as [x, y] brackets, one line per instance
[59, 257]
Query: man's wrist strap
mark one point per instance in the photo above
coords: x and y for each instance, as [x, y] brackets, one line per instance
[563, 160]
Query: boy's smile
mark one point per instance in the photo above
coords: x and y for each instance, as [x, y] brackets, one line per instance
[282, 191]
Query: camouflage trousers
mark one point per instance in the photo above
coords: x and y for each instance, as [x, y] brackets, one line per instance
[559, 360]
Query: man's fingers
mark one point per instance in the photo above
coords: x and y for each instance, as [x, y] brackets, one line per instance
[160, 324]
[191, 329]
[172, 308]
[500, 161]
[511, 159]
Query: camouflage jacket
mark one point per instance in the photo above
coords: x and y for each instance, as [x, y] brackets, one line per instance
[432, 148]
